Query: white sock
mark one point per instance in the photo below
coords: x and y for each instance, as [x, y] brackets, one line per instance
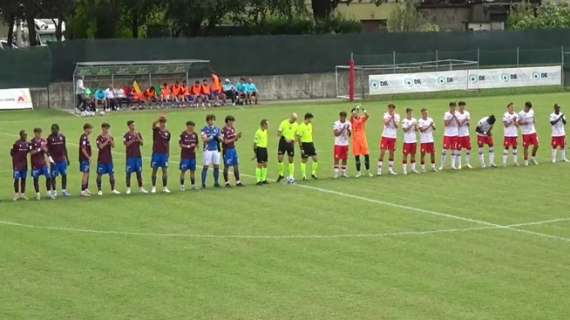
[343, 169]
[423, 167]
[443, 158]
[515, 155]
[413, 166]
[391, 164]
[492, 155]
[554, 150]
[336, 171]
[458, 159]
[380, 166]
[468, 157]
[564, 156]
[505, 157]
[404, 167]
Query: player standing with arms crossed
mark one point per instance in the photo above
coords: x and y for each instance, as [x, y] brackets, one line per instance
[105, 142]
[341, 131]
[388, 140]
[260, 142]
[57, 152]
[38, 147]
[358, 119]
[231, 160]
[464, 137]
[510, 123]
[558, 121]
[160, 153]
[527, 123]
[212, 136]
[410, 127]
[188, 143]
[287, 132]
[85, 159]
[305, 136]
[19, 154]
[133, 141]
[450, 136]
[485, 137]
[426, 126]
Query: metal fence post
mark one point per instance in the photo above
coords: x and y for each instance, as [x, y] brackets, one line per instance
[436, 59]
[518, 56]
[478, 58]
[394, 60]
[562, 55]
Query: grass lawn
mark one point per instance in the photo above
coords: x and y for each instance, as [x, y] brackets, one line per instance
[469, 244]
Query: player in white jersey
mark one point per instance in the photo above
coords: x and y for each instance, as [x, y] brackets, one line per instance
[485, 137]
[388, 141]
[450, 136]
[510, 123]
[527, 123]
[341, 131]
[410, 127]
[464, 138]
[558, 121]
[426, 126]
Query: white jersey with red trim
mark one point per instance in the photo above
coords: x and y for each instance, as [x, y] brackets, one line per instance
[510, 123]
[452, 129]
[390, 129]
[427, 135]
[463, 125]
[409, 127]
[558, 129]
[528, 119]
[344, 128]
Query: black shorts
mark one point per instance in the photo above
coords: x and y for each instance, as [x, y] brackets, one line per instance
[308, 150]
[286, 147]
[261, 155]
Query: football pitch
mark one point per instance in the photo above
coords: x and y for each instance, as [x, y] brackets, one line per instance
[470, 244]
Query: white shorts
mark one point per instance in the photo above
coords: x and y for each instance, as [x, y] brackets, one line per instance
[211, 157]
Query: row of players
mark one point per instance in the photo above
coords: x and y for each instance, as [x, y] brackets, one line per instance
[49, 156]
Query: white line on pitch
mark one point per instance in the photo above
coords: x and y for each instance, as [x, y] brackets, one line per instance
[273, 237]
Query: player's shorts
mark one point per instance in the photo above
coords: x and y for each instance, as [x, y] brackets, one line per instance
[105, 168]
[410, 148]
[44, 171]
[558, 142]
[530, 140]
[187, 164]
[261, 155]
[485, 140]
[388, 144]
[211, 157]
[464, 143]
[286, 148]
[510, 142]
[59, 168]
[341, 153]
[360, 146]
[20, 174]
[450, 143]
[133, 165]
[84, 166]
[427, 147]
[159, 160]
[308, 150]
[231, 157]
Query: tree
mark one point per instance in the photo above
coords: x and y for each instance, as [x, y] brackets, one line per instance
[407, 18]
[59, 11]
[10, 11]
[547, 16]
[322, 9]
[136, 13]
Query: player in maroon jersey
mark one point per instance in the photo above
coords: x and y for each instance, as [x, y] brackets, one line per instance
[85, 159]
[19, 153]
[57, 152]
[38, 147]
[188, 143]
[133, 141]
[230, 136]
[105, 143]
[160, 152]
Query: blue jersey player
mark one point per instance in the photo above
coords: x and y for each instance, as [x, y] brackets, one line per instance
[230, 136]
[212, 136]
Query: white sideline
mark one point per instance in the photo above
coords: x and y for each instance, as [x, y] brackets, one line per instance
[274, 237]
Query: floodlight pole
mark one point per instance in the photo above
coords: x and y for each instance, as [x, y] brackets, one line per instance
[149, 79]
[74, 88]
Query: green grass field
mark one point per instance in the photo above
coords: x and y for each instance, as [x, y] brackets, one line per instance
[470, 244]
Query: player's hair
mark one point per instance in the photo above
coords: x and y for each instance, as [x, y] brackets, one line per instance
[308, 115]
[190, 123]
[408, 110]
[510, 104]
[130, 122]
[528, 104]
[423, 110]
[391, 106]
[491, 119]
[461, 103]
[263, 122]
[37, 130]
[452, 104]
[210, 117]
[105, 125]
[55, 126]
[556, 105]
[342, 114]
[230, 118]
[87, 126]
[22, 133]
[162, 119]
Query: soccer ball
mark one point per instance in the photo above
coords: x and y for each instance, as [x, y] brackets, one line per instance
[290, 180]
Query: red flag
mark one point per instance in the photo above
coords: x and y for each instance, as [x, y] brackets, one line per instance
[351, 78]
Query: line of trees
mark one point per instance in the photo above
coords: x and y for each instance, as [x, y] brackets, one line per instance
[142, 18]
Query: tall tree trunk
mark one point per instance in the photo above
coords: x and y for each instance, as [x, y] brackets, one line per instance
[58, 28]
[135, 24]
[11, 21]
[32, 36]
